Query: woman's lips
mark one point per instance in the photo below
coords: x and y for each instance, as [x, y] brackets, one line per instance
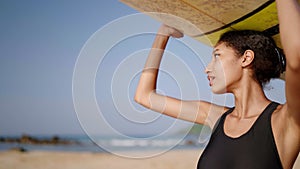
[210, 79]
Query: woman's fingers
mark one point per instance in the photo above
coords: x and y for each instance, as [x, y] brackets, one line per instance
[170, 31]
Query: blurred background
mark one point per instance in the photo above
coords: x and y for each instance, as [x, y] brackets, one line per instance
[43, 56]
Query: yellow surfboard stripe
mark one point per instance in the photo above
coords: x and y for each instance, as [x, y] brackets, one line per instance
[260, 21]
[225, 11]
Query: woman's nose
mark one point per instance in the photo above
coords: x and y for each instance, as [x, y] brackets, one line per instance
[208, 68]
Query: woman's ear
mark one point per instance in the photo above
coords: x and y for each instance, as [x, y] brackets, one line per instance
[247, 58]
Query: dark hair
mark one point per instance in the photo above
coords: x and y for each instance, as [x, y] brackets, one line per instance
[269, 60]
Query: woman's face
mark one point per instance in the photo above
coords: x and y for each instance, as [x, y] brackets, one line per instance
[225, 70]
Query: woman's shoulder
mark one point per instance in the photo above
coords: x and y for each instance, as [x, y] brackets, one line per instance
[214, 111]
[286, 134]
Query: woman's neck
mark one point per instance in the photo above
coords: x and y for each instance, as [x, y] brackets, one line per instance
[250, 100]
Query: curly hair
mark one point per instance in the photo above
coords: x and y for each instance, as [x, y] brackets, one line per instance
[269, 60]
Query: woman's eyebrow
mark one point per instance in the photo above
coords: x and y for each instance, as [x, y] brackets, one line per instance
[215, 50]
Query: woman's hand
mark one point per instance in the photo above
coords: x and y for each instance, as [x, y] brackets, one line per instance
[169, 31]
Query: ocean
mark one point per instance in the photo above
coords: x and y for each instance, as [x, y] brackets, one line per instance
[106, 143]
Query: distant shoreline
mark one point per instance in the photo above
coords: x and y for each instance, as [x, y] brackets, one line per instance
[27, 139]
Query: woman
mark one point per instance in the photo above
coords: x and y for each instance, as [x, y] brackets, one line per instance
[257, 133]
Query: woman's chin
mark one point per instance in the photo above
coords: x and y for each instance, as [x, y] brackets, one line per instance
[216, 90]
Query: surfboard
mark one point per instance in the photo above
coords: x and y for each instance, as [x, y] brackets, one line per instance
[206, 20]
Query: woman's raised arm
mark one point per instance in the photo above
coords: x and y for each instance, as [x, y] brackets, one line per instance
[146, 95]
[289, 24]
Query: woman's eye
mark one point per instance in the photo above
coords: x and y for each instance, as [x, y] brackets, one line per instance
[217, 55]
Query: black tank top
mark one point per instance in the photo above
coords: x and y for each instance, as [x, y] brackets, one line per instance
[256, 149]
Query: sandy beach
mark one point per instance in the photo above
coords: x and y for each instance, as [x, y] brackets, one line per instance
[74, 160]
[175, 159]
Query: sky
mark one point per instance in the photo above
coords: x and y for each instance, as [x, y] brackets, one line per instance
[71, 67]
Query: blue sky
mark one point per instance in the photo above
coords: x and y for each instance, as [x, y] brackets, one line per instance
[40, 42]
[40, 45]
